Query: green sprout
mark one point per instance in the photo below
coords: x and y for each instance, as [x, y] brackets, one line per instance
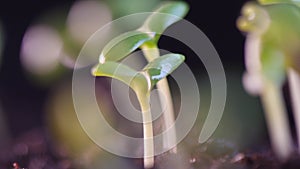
[272, 53]
[142, 82]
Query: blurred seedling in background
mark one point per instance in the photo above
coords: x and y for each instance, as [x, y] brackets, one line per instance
[272, 55]
[154, 73]
[1, 42]
[4, 134]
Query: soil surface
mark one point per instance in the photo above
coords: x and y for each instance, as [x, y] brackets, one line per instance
[222, 155]
[33, 150]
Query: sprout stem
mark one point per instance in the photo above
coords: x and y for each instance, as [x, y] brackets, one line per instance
[147, 131]
[151, 52]
[294, 82]
[277, 120]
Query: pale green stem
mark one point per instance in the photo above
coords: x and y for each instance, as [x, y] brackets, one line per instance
[277, 120]
[147, 130]
[169, 139]
[294, 82]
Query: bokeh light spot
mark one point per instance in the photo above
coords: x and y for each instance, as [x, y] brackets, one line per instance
[86, 17]
[41, 49]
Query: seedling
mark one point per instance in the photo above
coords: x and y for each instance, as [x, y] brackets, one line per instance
[272, 52]
[146, 38]
[1, 43]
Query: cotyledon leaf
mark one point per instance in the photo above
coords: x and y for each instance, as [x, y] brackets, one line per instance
[153, 72]
[155, 24]
[164, 16]
[119, 71]
[123, 45]
[284, 33]
[163, 66]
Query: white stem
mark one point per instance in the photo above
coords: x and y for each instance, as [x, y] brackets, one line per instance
[169, 118]
[294, 82]
[147, 132]
[165, 97]
[277, 120]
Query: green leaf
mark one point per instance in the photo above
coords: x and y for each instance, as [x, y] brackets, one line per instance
[281, 39]
[119, 71]
[166, 15]
[163, 17]
[123, 45]
[163, 66]
[121, 8]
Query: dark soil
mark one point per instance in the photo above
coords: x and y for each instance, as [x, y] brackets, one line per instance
[34, 150]
[222, 155]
